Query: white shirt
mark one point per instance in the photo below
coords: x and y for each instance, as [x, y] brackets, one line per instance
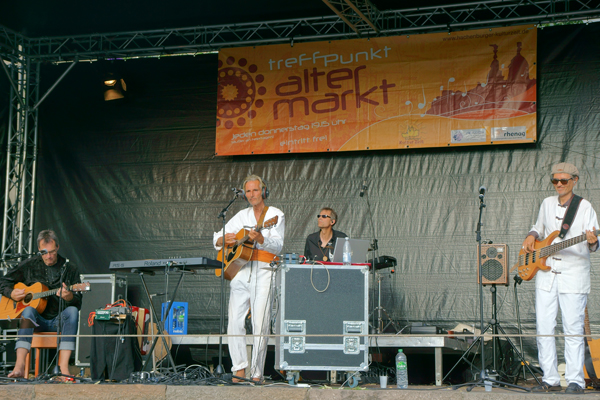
[245, 219]
[571, 266]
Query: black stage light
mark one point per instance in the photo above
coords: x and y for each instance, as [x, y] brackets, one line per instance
[114, 87]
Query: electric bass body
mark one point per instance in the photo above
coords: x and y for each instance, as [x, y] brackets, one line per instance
[529, 264]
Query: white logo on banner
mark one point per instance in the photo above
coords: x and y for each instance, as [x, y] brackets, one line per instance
[509, 133]
[468, 136]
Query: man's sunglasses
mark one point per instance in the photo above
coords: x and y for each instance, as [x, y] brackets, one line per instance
[563, 181]
[323, 216]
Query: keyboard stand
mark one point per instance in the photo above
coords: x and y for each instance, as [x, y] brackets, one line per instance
[160, 326]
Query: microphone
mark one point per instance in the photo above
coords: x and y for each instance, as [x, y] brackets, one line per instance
[482, 190]
[363, 188]
[238, 192]
[42, 252]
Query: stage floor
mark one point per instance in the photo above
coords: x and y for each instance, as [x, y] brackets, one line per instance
[438, 344]
[266, 392]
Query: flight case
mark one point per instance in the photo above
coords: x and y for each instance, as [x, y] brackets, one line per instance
[324, 300]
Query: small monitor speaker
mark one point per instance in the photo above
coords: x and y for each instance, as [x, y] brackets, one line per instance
[494, 264]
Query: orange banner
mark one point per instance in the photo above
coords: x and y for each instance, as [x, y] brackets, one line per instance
[462, 88]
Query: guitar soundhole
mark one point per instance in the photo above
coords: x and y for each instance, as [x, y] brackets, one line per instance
[28, 298]
[232, 254]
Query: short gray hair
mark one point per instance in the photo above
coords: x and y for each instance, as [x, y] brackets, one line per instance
[47, 236]
[251, 178]
[333, 213]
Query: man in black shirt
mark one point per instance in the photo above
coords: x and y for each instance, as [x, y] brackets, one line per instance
[47, 269]
[321, 245]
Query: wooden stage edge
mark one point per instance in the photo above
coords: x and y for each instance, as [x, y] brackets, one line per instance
[267, 392]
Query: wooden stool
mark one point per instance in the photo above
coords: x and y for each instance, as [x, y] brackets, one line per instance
[41, 340]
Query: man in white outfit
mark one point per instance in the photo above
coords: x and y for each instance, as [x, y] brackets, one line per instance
[566, 284]
[251, 287]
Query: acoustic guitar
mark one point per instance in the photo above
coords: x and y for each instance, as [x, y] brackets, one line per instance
[238, 254]
[35, 296]
[592, 355]
[528, 264]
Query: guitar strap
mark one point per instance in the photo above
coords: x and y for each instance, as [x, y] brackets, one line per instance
[262, 216]
[570, 215]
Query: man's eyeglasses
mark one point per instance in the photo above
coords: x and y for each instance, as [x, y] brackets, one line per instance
[563, 181]
[323, 216]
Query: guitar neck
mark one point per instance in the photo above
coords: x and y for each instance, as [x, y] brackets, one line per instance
[48, 293]
[554, 248]
[245, 238]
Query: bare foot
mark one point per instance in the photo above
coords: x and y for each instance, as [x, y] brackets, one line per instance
[238, 376]
[257, 379]
[17, 373]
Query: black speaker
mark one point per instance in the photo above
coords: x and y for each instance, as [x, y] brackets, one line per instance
[494, 268]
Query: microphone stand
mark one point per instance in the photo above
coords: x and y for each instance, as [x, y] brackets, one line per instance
[374, 255]
[485, 378]
[61, 308]
[219, 371]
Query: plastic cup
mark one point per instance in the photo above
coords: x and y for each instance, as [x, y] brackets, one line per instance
[383, 381]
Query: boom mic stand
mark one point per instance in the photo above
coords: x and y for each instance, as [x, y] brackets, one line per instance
[484, 377]
[219, 371]
[377, 326]
[61, 308]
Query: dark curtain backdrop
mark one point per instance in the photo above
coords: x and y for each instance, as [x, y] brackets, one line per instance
[137, 179]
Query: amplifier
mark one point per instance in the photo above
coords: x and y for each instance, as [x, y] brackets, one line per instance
[106, 289]
[420, 329]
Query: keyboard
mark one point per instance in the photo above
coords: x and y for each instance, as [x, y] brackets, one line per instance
[155, 265]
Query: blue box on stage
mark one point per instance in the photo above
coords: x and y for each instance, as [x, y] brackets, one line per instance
[177, 320]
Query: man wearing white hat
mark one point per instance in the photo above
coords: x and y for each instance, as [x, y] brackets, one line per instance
[566, 283]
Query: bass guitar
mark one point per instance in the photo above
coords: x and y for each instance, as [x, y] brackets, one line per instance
[528, 264]
[35, 296]
[238, 254]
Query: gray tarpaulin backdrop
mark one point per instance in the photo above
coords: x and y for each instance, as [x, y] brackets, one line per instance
[137, 179]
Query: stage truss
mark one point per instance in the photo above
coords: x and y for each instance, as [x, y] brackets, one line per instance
[21, 58]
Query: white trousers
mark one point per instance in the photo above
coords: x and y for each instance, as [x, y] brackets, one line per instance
[572, 306]
[250, 289]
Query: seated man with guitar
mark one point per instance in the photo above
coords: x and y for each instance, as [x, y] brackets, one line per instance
[250, 245]
[45, 268]
[320, 246]
[563, 279]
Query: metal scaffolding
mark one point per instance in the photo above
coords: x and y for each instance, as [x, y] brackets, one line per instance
[24, 77]
[21, 58]
[353, 19]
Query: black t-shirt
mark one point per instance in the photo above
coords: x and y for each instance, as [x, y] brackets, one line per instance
[34, 270]
[313, 249]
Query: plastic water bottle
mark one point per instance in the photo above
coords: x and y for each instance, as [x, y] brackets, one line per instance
[174, 316]
[180, 318]
[401, 370]
[347, 255]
